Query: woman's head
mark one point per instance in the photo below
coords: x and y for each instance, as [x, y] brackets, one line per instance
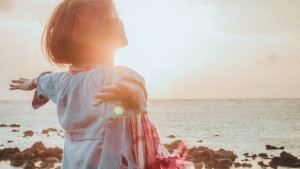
[80, 29]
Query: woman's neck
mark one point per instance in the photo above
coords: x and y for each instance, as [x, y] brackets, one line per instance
[106, 59]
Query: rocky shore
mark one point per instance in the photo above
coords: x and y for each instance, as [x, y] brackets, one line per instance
[39, 156]
[204, 157]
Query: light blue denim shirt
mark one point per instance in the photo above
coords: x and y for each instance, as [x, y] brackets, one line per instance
[93, 137]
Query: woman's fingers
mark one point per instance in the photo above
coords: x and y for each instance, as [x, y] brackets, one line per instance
[124, 87]
[14, 87]
[17, 81]
[107, 96]
[97, 102]
[110, 89]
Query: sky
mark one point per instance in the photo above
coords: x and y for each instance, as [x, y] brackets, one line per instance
[185, 49]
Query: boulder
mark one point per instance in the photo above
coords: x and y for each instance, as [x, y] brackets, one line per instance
[45, 131]
[224, 154]
[28, 133]
[224, 163]
[171, 136]
[29, 165]
[14, 125]
[263, 155]
[3, 125]
[17, 160]
[285, 159]
[39, 145]
[8, 153]
[269, 147]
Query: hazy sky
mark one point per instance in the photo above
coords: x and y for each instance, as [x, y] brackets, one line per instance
[184, 48]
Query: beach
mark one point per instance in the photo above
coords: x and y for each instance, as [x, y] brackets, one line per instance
[239, 125]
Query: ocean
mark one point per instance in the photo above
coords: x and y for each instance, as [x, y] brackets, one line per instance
[239, 125]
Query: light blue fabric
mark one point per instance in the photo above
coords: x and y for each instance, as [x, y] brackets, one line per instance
[93, 135]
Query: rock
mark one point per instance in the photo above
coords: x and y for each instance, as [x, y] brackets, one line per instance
[8, 153]
[51, 152]
[17, 160]
[252, 156]
[46, 164]
[202, 154]
[45, 131]
[30, 165]
[246, 154]
[28, 133]
[216, 135]
[39, 145]
[247, 165]
[189, 158]
[263, 155]
[15, 131]
[52, 160]
[275, 162]
[30, 153]
[261, 163]
[171, 136]
[200, 141]
[3, 125]
[285, 159]
[198, 165]
[224, 163]
[9, 141]
[52, 129]
[58, 167]
[14, 125]
[236, 164]
[209, 165]
[225, 154]
[1, 145]
[269, 147]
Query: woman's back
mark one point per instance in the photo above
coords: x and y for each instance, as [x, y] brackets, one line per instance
[85, 126]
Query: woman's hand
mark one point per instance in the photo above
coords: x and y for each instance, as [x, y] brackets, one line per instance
[129, 92]
[23, 84]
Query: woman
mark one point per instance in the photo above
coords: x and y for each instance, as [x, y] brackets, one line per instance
[84, 34]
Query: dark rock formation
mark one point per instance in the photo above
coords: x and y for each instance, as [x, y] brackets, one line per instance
[201, 155]
[15, 131]
[285, 159]
[28, 133]
[269, 147]
[171, 136]
[263, 155]
[14, 125]
[28, 157]
[3, 125]
[261, 163]
[45, 131]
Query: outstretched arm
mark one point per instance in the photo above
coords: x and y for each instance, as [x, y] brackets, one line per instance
[24, 84]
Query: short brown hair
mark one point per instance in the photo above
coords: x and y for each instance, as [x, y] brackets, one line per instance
[74, 24]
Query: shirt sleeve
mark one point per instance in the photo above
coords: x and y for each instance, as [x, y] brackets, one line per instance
[120, 73]
[46, 89]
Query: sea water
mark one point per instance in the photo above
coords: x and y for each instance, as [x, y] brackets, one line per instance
[240, 125]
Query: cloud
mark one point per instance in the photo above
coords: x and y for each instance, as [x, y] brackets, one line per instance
[257, 17]
[7, 5]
